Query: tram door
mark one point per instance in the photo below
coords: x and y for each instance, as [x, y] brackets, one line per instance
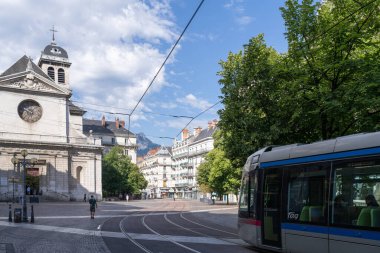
[271, 201]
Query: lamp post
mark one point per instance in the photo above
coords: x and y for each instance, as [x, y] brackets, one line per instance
[14, 161]
[24, 163]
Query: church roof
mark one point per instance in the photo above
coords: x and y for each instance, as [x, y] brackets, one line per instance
[21, 66]
[55, 50]
[109, 129]
[75, 110]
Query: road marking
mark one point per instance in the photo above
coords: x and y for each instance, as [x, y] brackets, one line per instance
[147, 237]
[121, 215]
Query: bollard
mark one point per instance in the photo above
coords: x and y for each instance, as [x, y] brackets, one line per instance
[10, 213]
[32, 216]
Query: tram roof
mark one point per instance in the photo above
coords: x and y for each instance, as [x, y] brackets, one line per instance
[340, 144]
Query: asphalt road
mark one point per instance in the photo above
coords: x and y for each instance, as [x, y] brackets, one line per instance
[137, 226]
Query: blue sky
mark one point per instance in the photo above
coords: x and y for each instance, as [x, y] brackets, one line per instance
[117, 46]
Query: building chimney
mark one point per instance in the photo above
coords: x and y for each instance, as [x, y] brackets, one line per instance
[103, 121]
[185, 134]
[209, 125]
[214, 123]
[197, 131]
[117, 123]
[122, 123]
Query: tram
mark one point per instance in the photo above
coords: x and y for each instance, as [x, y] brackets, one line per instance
[315, 198]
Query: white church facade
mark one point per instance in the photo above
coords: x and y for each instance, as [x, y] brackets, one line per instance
[38, 116]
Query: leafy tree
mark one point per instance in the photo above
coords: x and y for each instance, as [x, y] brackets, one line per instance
[334, 50]
[255, 111]
[326, 85]
[120, 175]
[216, 173]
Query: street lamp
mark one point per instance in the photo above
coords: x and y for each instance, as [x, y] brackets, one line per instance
[24, 163]
[14, 161]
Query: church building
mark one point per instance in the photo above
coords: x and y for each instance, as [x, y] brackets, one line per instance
[38, 116]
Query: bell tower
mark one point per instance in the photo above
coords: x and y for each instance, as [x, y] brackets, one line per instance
[54, 61]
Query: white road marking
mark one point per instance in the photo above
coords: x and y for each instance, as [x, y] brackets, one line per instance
[148, 237]
[120, 215]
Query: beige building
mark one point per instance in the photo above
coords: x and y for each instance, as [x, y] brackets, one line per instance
[110, 134]
[156, 167]
[38, 116]
[188, 154]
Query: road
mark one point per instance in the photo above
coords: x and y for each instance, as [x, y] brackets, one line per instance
[136, 226]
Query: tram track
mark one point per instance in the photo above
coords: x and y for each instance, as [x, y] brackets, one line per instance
[167, 224]
[142, 218]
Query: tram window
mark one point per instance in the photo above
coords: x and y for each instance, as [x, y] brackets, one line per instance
[243, 203]
[356, 194]
[252, 194]
[307, 194]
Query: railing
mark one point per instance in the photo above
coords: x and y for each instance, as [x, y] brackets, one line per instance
[198, 152]
[47, 138]
[32, 137]
[53, 195]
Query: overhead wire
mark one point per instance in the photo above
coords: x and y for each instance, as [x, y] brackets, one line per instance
[196, 116]
[167, 57]
[163, 64]
[337, 23]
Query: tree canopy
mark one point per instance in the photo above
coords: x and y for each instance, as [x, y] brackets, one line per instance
[120, 175]
[326, 85]
[216, 173]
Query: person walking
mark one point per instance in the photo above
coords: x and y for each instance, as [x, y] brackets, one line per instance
[93, 205]
[85, 198]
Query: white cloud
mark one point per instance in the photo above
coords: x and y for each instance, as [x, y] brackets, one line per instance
[244, 20]
[237, 8]
[194, 102]
[115, 47]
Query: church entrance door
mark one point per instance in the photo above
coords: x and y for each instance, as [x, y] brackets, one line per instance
[32, 181]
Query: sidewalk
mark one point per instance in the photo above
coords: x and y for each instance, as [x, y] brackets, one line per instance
[67, 227]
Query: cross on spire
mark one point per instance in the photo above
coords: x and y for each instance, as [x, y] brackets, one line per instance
[53, 34]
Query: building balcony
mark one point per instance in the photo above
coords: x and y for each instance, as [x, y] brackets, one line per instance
[181, 184]
[199, 152]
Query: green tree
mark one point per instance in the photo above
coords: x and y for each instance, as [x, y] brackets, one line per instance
[216, 173]
[120, 175]
[255, 111]
[326, 85]
[334, 51]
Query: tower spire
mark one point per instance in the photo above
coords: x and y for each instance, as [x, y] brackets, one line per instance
[53, 41]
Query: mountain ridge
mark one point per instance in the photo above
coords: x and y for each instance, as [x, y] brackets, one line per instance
[144, 144]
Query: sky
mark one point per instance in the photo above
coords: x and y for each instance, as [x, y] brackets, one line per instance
[116, 48]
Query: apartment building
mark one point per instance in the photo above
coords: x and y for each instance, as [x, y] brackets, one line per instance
[112, 133]
[156, 167]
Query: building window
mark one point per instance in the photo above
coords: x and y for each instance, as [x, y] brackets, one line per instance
[61, 76]
[79, 170]
[51, 73]
[113, 140]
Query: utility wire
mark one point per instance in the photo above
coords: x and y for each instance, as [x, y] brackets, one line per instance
[199, 114]
[169, 115]
[167, 57]
[337, 23]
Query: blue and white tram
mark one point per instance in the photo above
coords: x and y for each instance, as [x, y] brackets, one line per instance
[319, 197]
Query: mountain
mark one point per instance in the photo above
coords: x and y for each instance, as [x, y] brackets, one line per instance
[144, 144]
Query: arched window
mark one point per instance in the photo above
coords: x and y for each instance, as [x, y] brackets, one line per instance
[51, 73]
[79, 170]
[61, 76]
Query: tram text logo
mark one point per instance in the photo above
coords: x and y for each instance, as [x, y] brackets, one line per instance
[292, 216]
